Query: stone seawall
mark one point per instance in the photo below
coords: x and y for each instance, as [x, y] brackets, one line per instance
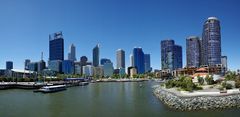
[190, 103]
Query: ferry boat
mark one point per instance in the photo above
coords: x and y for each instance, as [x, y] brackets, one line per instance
[83, 83]
[50, 89]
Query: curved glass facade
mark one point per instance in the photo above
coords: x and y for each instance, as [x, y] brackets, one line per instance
[211, 43]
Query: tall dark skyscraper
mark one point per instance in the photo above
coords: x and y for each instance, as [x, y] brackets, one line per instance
[120, 58]
[56, 46]
[147, 63]
[193, 51]
[211, 42]
[177, 56]
[171, 55]
[138, 60]
[96, 56]
[9, 65]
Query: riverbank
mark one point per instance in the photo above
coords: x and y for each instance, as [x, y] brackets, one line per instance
[198, 101]
[34, 85]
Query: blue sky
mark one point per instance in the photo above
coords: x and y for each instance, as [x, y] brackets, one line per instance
[26, 24]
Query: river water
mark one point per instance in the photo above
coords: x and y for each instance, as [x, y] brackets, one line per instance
[129, 99]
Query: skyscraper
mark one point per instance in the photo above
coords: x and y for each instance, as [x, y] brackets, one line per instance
[193, 51]
[56, 46]
[211, 42]
[147, 63]
[224, 63]
[9, 65]
[138, 60]
[171, 55]
[68, 67]
[96, 56]
[120, 58]
[108, 69]
[177, 56]
[167, 54]
[26, 64]
[131, 60]
[72, 53]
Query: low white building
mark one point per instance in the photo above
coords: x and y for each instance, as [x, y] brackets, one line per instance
[17, 73]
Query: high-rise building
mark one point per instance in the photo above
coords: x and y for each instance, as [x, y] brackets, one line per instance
[138, 60]
[193, 51]
[98, 72]
[68, 67]
[120, 58]
[26, 64]
[211, 42]
[147, 63]
[105, 60]
[131, 59]
[55, 65]
[33, 66]
[167, 54]
[96, 56]
[77, 69]
[56, 46]
[41, 65]
[88, 70]
[177, 56]
[9, 65]
[224, 63]
[108, 69]
[171, 55]
[72, 53]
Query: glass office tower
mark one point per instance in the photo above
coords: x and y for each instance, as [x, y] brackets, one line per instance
[56, 46]
[96, 56]
[193, 51]
[138, 60]
[171, 55]
[211, 42]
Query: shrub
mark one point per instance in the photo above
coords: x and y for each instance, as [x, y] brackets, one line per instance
[237, 83]
[209, 80]
[229, 86]
[200, 80]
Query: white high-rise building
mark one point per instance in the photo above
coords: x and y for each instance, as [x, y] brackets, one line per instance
[120, 58]
[131, 60]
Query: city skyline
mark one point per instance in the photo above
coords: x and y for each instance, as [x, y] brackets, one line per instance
[114, 36]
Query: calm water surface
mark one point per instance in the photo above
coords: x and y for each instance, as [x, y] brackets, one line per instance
[95, 100]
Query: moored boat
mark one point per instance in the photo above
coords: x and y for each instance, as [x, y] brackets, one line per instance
[50, 89]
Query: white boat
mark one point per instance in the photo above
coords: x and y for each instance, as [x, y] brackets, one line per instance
[50, 89]
[83, 83]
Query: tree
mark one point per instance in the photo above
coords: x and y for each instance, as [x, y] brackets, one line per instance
[230, 76]
[135, 76]
[209, 80]
[237, 83]
[200, 80]
[187, 84]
